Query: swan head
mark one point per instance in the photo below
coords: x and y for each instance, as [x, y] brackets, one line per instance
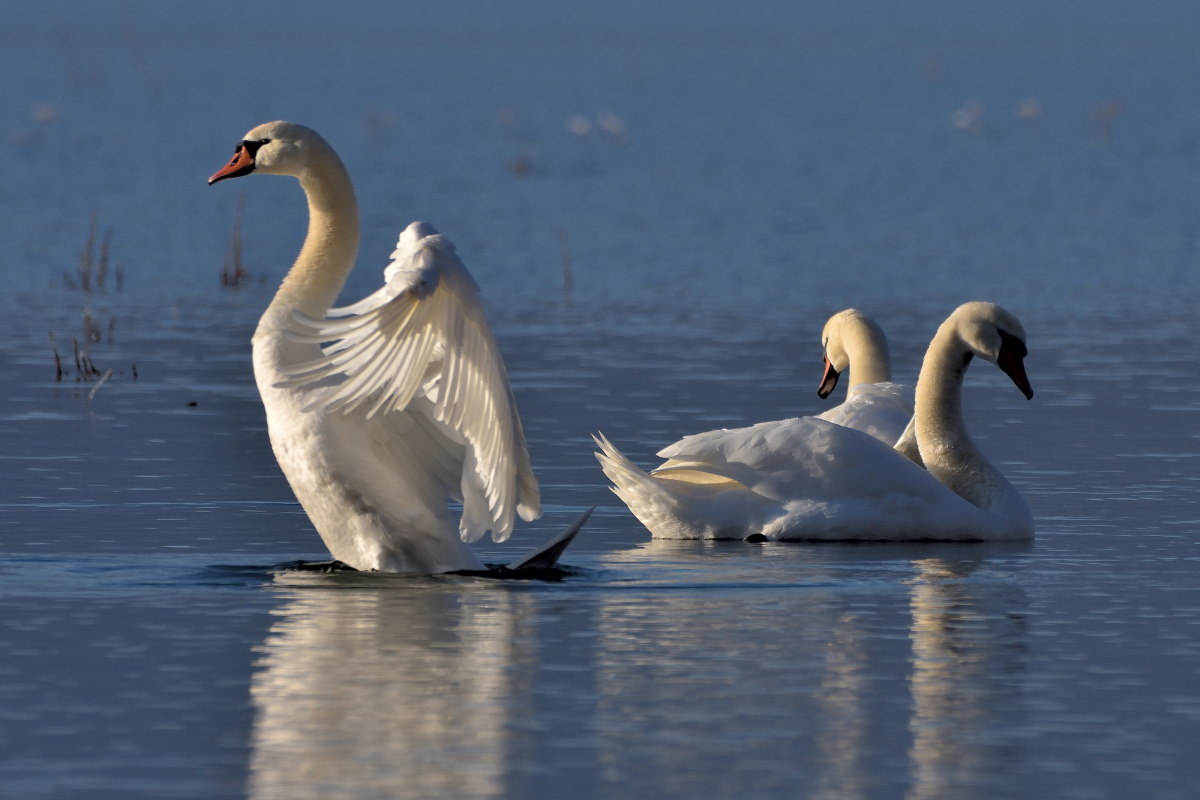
[275, 148]
[994, 335]
[851, 331]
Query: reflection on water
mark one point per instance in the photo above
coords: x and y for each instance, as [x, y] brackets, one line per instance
[844, 713]
[796, 674]
[968, 659]
[713, 669]
[386, 693]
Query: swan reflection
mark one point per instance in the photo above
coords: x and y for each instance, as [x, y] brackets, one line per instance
[691, 669]
[398, 693]
[718, 665]
[968, 657]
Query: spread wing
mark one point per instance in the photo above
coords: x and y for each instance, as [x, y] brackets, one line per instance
[421, 346]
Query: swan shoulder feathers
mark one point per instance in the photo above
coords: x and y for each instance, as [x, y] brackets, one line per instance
[881, 410]
[417, 360]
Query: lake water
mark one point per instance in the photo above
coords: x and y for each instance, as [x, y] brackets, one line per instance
[662, 205]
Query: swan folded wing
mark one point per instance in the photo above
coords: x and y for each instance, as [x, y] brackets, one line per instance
[423, 336]
[805, 457]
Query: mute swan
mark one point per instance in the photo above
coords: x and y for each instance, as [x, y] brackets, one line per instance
[874, 405]
[809, 479]
[410, 405]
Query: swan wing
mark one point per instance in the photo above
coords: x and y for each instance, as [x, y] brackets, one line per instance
[418, 354]
[822, 475]
[804, 479]
[803, 456]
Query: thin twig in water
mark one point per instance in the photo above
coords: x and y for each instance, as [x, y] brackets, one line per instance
[233, 273]
[85, 370]
[91, 329]
[86, 264]
[58, 368]
[103, 379]
[92, 270]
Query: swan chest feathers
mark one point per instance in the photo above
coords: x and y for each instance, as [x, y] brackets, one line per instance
[366, 484]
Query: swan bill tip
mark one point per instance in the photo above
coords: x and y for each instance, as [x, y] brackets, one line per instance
[828, 380]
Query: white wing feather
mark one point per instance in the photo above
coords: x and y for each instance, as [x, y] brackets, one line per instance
[881, 410]
[421, 346]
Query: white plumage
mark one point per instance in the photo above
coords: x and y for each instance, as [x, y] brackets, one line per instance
[810, 479]
[420, 346]
[383, 411]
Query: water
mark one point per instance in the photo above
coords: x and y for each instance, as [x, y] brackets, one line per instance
[771, 165]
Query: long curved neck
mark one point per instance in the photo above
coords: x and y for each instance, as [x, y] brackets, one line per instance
[330, 247]
[946, 448]
[867, 351]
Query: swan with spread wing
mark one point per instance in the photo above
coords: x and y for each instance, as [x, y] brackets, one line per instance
[382, 412]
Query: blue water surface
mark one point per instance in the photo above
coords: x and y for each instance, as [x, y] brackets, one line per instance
[661, 203]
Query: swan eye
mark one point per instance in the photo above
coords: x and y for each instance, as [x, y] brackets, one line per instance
[1010, 342]
[252, 147]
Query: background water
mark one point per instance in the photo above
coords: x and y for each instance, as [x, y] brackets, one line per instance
[662, 204]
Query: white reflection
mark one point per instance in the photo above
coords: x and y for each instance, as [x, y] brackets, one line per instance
[781, 670]
[844, 765]
[967, 659]
[386, 692]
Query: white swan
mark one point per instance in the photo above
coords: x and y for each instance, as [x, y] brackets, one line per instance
[407, 408]
[874, 405]
[809, 479]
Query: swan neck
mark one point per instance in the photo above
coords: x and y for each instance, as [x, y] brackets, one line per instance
[330, 246]
[867, 351]
[939, 390]
[946, 448]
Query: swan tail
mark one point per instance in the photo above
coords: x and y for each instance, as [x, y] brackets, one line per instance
[548, 554]
[646, 497]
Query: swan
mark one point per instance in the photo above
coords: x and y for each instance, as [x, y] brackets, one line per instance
[408, 404]
[874, 405]
[809, 479]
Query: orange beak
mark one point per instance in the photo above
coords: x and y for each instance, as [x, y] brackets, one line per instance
[828, 380]
[242, 163]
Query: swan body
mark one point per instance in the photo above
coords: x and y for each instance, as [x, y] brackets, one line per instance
[874, 405]
[810, 479]
[406, 407]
